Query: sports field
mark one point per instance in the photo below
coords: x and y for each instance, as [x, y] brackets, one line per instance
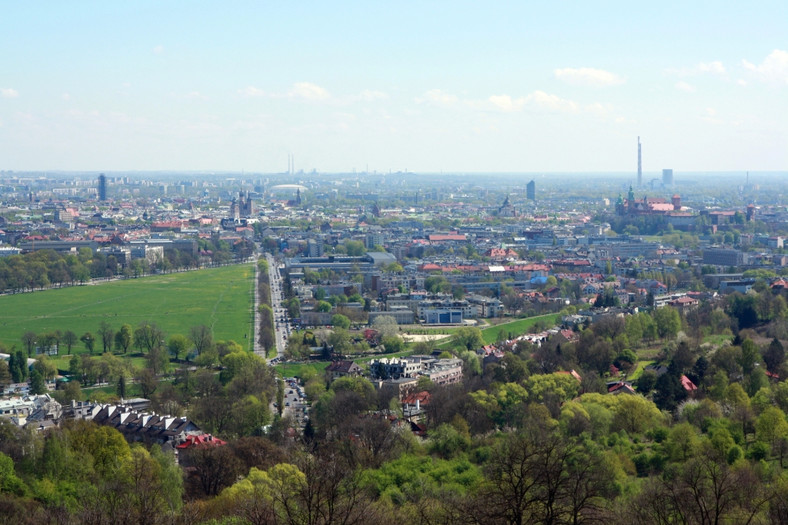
[216, 297]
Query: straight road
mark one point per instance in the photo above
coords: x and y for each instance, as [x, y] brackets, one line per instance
[281, 321]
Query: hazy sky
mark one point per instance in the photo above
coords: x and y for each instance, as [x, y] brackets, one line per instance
[424, 86]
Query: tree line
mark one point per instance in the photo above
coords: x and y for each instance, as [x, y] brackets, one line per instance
[46, 268]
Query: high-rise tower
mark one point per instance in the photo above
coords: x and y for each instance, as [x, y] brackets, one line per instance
[640, 166]
[667, 178]
[102, 188]
[530, 191]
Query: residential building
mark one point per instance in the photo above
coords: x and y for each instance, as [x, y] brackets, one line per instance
[338, 369]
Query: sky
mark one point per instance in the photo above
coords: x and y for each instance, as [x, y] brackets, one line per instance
[473, 87]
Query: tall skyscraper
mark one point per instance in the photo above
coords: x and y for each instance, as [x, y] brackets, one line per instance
[667, 178]
[102, 188]
[530, 191]
[640, 167]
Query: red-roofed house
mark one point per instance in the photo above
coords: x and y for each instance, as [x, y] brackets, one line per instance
[339, 369]
[203, 440]
[620, 388]
[572, 373]
[688, 385]
[779, 284]
[684, 303]
[412, 405]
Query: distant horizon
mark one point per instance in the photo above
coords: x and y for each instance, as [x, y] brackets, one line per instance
[213, 172]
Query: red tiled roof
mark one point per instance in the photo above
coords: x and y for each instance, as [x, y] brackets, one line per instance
[447, 237]
[430, 267]
[572, 373]
[422, 397]
[620, 386]
[688, 385]
[203, 440]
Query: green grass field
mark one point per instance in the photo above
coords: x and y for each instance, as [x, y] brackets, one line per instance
[518, 327]
[297, 369]
[217, 297]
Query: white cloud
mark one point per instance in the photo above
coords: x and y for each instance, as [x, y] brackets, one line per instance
[774, 67]
[741, 82]
[436, 96]
[588, 76]
[8, 93]
[371, 95]
[715, 67]
[552, 102]
[506, 103]
[711, 67]
[65, 96]
[251, 91]
[683, 86]
[303, 90]
[158, 49]
[536, 100]
[710, 115]
[597, 109]
[308, 91]
[196, 95]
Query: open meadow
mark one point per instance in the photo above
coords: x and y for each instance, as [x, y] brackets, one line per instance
[519, 326]
[220, 298]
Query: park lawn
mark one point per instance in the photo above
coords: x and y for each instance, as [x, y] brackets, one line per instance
[297, 369]
[417, 329]
[518, 327]
[109, 393]
[217, 297]
[63, 361]
[132, 390]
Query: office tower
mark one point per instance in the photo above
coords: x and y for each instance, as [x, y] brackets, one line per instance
[640, 167]
[667, 178]
[530, 191]
[102, 187]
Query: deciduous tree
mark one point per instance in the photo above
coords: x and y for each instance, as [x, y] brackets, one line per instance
[89, 340]
[124, 338]
[107, 335]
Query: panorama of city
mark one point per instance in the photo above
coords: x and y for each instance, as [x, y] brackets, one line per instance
[315, 265]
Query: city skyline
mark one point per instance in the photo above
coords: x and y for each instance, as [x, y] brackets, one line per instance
[419, 88]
